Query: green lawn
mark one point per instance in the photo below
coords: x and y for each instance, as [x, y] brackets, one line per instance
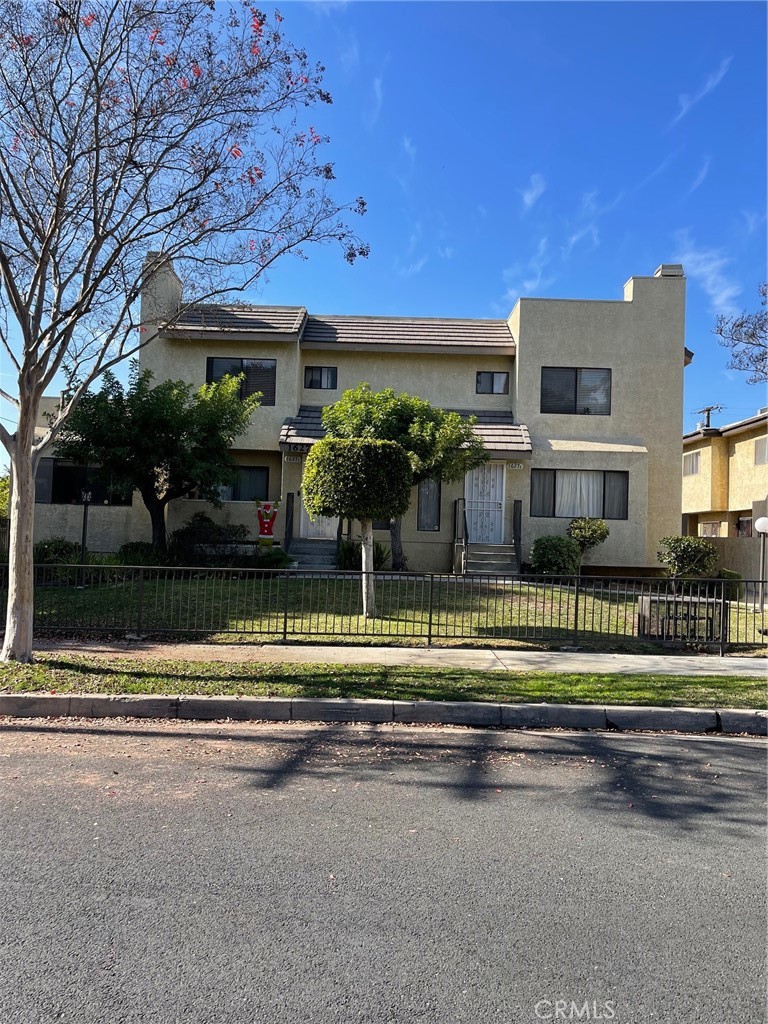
[80, 674]
[410, 609]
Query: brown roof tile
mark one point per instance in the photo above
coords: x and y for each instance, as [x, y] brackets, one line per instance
[406, 331]
[250, 319]
[497, 430]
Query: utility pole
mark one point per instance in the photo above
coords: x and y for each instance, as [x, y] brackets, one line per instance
[707, 411]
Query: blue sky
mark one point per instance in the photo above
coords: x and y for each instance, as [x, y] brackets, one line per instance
[545, 149]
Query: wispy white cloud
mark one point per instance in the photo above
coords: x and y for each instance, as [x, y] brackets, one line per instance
[414, 268]
[376, 101]
[657, 170]
[687, 102]
[701, 175]
[482, 212]
[446, 252]
[752, 220]
[409, 149]
[533, 191]
[709, 269]
[525, 278]
[328, 7]
[588, 231]
[349, 56]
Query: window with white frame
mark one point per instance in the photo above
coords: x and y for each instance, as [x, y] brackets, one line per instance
[691, 463]
[568, 493]
[709, 529]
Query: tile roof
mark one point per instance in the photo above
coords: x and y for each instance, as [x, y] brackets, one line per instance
[242, 318]
[406, 331]
[497, 430]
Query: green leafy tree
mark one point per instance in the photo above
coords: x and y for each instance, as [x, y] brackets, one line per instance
[5, 494]
[165, 442]
[358, 478]
[746, 335]
[587, 533]
[439, 444]
[181, 127]
[688, 556]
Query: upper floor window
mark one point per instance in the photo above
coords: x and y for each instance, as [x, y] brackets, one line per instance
[259, 375]
[761, 451]
[321, 377]
[489, 382]
[576, 391]
[691, 463]
[568, 493]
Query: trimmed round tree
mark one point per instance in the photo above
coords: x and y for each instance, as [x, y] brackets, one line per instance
[361, 479]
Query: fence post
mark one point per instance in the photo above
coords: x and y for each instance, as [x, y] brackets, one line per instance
[576, 614]
[140, 603]
[429, 621]
[724, 615]
[285, 606]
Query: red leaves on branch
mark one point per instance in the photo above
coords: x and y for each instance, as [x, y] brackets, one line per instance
[88, 20]
[155, 37]
[235, 151]
[197, 71]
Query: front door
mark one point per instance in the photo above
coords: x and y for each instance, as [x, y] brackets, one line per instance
[321, 529]
[484, 497]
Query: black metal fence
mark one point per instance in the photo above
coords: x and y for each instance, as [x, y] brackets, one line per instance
[280, 604]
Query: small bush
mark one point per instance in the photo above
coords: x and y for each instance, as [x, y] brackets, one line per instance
[588, 533]
[139, 552]
[351, 556]
[201, 541]
[56, 551]
[556, 556]
[735, 588]
[688, 556]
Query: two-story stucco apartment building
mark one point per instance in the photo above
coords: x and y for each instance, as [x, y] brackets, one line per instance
[579, 403]
[725, 477]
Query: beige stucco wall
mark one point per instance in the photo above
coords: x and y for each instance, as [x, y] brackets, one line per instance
[728, 482]
[441, 377]
[641, 340]
[108, 528]
[186, 360]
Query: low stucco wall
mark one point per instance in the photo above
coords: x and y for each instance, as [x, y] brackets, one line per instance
[741, 554]
[108, 527]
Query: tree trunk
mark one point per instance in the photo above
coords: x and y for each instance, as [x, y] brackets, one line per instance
[399, 561]
[156, 509]
[17, 645]
[369, 598]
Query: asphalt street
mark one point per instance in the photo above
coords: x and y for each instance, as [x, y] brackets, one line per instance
[190, 873]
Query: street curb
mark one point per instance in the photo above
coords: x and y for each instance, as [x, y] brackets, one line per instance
[620, 718]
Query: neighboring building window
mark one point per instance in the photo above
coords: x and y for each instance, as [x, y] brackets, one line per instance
[381, 524]
[567, 493]
[250, 484]
[320, 377]
[428, 517]
[691, 463]
[575, 391]
[761, 451]
[709, 529]
[259, 375]
[491, 383]
[59, 482]
[744, 526]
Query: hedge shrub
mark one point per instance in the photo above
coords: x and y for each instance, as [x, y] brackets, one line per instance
[556, 556]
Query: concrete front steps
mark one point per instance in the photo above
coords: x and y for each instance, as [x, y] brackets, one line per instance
[493, 559]
[313, 554]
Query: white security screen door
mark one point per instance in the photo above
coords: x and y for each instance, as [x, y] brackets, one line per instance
[484, 497]
[321, 529]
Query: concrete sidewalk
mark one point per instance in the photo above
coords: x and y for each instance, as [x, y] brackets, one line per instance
[428, 657]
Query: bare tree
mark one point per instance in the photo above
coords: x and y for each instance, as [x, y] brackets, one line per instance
[128, 126]
[746, 335]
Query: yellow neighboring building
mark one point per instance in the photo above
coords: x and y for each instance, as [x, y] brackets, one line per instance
[725, 477]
